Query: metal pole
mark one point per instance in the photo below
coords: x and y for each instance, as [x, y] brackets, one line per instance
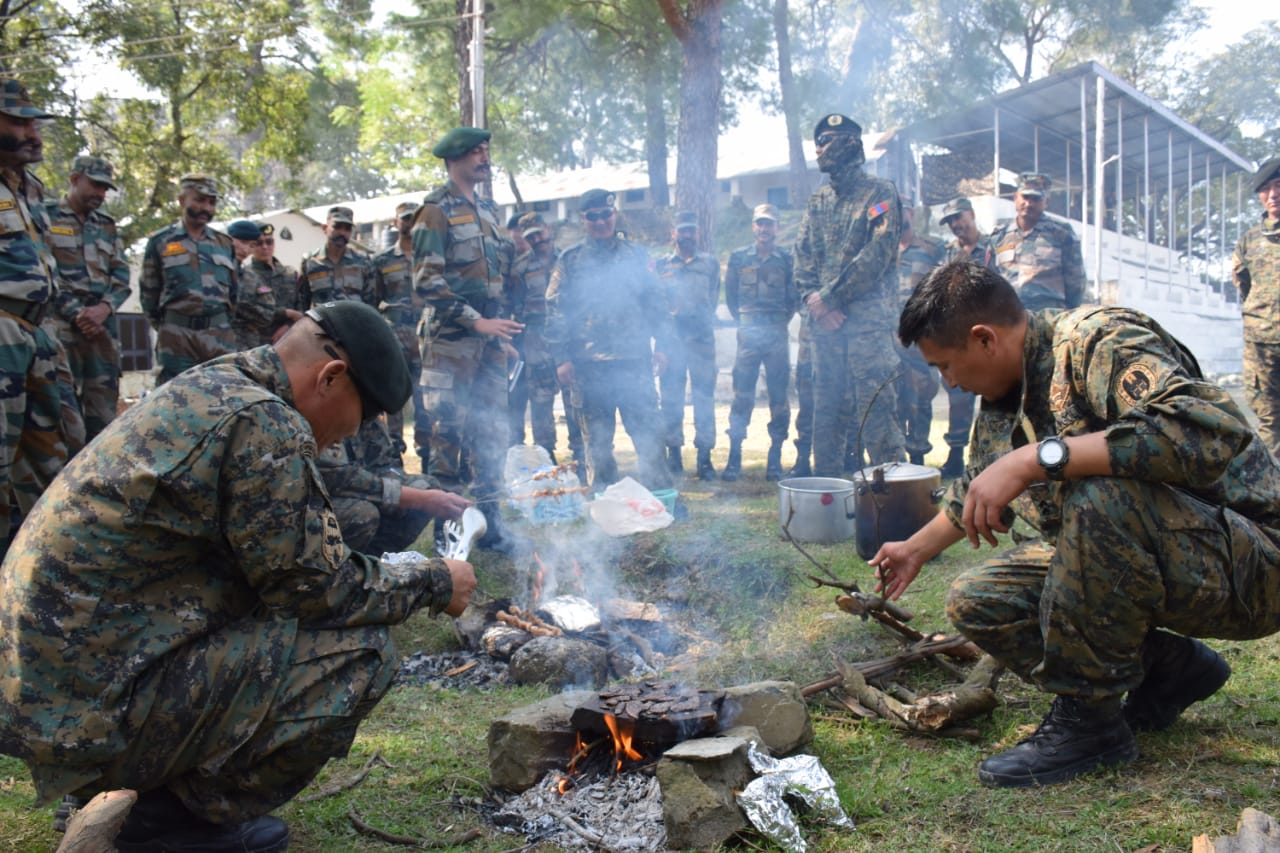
[1120, 172]
[1190, 204]
[1099, 204]
[477, 63]
[1146, 200]
[995, 171]
[1084, 159]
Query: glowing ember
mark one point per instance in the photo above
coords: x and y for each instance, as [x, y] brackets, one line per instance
[622, 731]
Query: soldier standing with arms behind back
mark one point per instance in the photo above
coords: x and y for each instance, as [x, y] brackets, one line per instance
[459, 256]
[1255, 268]
[761, 296]
[846, 273]
[93, 281]
[1041, 258]
[189, 283]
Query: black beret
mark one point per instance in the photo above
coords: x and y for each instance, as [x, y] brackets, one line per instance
[595, 198]
[1266, 173]
[837, 123]
[376, 358]
[459, 141]
[243, 229]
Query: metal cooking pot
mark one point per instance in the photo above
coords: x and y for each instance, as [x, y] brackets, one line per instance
[816, 509]
[894, 500]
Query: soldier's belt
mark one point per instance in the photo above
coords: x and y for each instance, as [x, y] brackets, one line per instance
[762, 318]
[32, 312]
[196, 323]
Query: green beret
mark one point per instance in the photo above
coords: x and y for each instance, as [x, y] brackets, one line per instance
[375, 357]
[1266, 173]
[459, 141]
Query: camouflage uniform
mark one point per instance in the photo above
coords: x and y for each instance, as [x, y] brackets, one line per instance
[917, 382]
[1184, 535]
[214, 635]
[961, 403]
[537, 385]
[254, 317]
[692, 291]
[761, 296]
[42, 425]
[283, 280]
[364, 479]
[1255, 267]
[459, 255]
[1044, 265]
[321, 281]
[603, 308]
[91, 269]
[846, 251]
[393, 287]
[188, 291]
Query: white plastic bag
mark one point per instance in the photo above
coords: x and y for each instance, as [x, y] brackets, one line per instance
[543, 493]
[627, 507]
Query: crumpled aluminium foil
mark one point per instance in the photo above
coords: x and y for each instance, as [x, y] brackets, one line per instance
[802, 776]
[570, 613]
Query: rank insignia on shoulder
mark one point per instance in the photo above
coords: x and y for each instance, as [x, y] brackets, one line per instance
[7, 204]
[461, 220]
[62, 230]
[174, 249]
[878, 209]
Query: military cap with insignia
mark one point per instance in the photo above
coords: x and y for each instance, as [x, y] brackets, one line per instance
[764, 211]
[202, 184]
[374, 356]
[1267, 172]
[530, 223]
[14, 101]
[342, 215]
[459, 141]
[267, 229]
[1034, 184]
[94, 168]
[595, 198]
[954, 208]
[835, 123]
[243, 229]
[406, 209]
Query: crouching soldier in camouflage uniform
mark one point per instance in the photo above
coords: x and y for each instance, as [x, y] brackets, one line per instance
[379, 507]
[189, 283]
[1155, 500]
[459, 257]
[1255, 268]
[393, 288]
[536, 387]
[761, 296]
[215, 641]
[255, 317]
[93, 279]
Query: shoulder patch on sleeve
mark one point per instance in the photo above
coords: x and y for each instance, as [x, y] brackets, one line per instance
[1135, 383]
[878, 209]
[174, 249]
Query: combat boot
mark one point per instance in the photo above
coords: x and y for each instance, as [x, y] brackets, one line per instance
[159, 821]
[733, 468]
[1179, 671]
[915, 458]
[706, 471]
[773, 467]
[954, 466]
[802, 468]
[1074, 738]
[675, 464]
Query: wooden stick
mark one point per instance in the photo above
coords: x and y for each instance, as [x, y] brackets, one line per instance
[93, 828]
[409, 840]
[337, 787]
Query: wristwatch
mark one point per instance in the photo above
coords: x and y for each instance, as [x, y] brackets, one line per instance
[1052, 453]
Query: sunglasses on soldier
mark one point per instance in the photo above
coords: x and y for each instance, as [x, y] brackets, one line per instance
[598, 215]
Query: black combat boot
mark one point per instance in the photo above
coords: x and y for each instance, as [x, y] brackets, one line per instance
[69, 806]
[773, 467]
[1074, 738]
[705, 469]
[954, 466]
[915, 458]
[159, 821]
[1179, 671]
[733, 468]
[802, 468]
[675, 464]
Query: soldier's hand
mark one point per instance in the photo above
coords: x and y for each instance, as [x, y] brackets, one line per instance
[992, 490]
[817, 308]
[498, 327]
[566, 374]
[896, 567]
[434, 502]
[831, 320]
[86, 326]
[464, 583]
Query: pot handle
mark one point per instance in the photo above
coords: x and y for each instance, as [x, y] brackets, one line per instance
[935, 495]
[850, 508]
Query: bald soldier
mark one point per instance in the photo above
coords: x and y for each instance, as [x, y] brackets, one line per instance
[215, 641]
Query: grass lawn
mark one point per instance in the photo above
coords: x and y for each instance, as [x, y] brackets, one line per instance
[725, 577]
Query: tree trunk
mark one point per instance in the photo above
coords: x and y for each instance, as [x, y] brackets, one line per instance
[655, 136]
[798, 184]
[462, 51]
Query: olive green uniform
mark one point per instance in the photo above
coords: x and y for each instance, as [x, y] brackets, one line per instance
[692, 289]
[393, 289]
[1255, 268]
[1045, 265]
[537, 385]
[917, 382]
[321, 280]
[255, 314]
[761, 296]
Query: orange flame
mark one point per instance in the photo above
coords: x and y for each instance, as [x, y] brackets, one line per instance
[622, 731]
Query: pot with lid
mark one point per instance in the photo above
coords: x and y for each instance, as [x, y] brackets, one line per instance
[816, 509]
[893, 501]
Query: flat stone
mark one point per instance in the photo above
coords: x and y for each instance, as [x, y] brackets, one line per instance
[530, 741]
[698, 779]
[706, 748]
[775, 708]
[560, 662]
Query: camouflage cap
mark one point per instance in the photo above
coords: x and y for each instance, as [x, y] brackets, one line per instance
[1267, 172]
[595, 198]
[1034, 184]
[764, 211]
[686, 219]
[200, 183]
[406, 209]
[835, 123]
[954, 208]
[459, 141]
[374, 354]
[342, 215]
[14, 101]
[95, 169]
[243, 229]
[530, 223]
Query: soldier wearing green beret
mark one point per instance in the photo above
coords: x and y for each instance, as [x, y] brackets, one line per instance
[39, 417]
[1255, 268]
[1154, 499]
[189, 282]
[460, 257]
[396, 299]
[215, 641]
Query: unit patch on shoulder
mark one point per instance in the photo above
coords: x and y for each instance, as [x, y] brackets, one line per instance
[1135, 383]
[461, 220]
[878, 209]
[63, 230]
[7, 204]
[171, 249]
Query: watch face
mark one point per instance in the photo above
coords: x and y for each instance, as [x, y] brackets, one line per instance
[1052, 453]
